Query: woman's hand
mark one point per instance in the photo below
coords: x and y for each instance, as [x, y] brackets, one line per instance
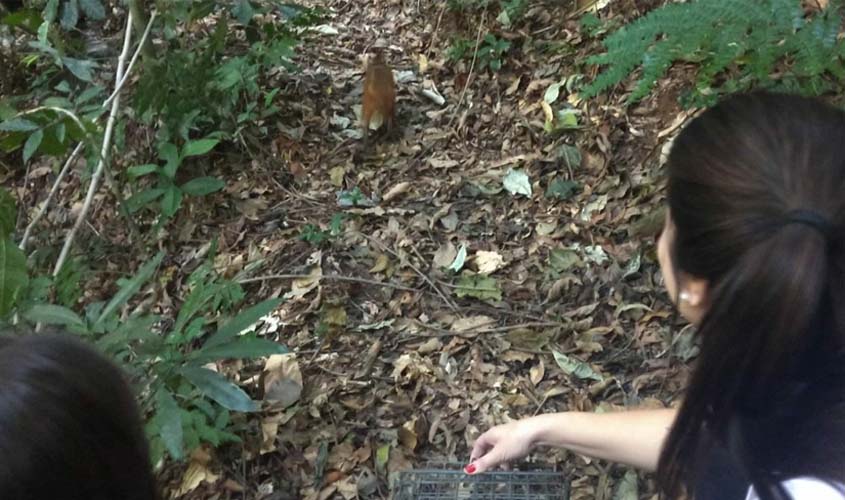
[502, 444]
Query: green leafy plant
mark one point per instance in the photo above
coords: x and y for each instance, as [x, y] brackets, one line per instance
[479, 286]
[69, 12]
[460, 48]
[491, 51]
[13, 272]
[511, 11]
[591, 25]
[735, 44]
[314, 235]
[507, 12]
[54, 128]
[167, 191]
[465, 5]
[200, 89]
[188, 403]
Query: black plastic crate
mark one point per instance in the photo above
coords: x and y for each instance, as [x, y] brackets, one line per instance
[449, 482]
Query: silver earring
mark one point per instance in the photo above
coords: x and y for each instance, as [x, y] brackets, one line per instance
[684, 296]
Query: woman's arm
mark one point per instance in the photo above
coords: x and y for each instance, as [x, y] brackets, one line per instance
[633, 437]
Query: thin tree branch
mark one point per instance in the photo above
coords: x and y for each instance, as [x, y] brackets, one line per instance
[471, 69]
[98, 172]
[422, 275]
[335, 277]
[53, 191]
[132, 62]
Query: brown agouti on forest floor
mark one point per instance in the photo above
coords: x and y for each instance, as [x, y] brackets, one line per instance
[379, 94]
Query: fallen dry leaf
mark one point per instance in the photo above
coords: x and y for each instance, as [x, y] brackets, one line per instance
[282, 379]
[488, 262]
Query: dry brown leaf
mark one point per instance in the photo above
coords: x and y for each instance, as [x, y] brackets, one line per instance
[347, 487]
[515, 400]
[516, 356]
[445, 255]
[431, 345]
[537, 372]
[282, 379]
[336, 175]
[196, 474]
[472, 323]
[233, 486]
[488, 262]
[396, 190]
[381, 263]
[408, 434]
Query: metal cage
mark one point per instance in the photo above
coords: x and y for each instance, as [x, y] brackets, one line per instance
[449, 482]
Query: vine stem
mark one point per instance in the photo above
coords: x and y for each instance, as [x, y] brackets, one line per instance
[104, 151]
[53, 191]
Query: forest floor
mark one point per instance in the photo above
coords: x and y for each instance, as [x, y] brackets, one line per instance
[396, 368]
[397, 361]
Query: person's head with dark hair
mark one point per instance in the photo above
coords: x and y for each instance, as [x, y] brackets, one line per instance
[69, 425]
[754, 253]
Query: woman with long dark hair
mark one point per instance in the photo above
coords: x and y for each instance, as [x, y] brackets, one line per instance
[69, 425]
[753, 253]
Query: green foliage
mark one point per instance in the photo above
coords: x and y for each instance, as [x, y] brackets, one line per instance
[468, 5]
[68, 281]
[506, 11]
[591, 25]
[478, 286]
[188, 403]
[199, 90]
[316, 236]
[70, 102]
[491, 51]
[70, 11]
[460, 48]
[736, 44]
[13, 273]
[166, 191]
[561, 189]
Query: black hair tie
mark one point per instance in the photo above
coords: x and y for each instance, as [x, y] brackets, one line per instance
[812, 219]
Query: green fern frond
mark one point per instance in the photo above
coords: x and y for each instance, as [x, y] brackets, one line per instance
[737, 43]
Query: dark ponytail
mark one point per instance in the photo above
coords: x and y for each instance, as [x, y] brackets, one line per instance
[757, 196]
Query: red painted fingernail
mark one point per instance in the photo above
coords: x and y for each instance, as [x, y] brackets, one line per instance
[470, 469]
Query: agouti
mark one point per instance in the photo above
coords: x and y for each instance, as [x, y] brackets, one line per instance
[379, 94]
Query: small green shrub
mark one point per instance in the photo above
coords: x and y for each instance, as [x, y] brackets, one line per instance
[167, 191]
[198, 90]
[736, 45]
[491, 51]
[314, 235]
[187, 403]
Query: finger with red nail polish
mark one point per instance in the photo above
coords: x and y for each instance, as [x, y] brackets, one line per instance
[470, 469]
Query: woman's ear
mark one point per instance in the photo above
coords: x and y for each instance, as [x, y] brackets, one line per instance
[693, 298]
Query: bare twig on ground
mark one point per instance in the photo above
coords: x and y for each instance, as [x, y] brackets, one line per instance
[439, 332]
[335, 277]
[53, 191]
[471, 70]
[422, 275]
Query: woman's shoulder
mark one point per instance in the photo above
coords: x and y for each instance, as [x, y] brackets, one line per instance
[809, 488]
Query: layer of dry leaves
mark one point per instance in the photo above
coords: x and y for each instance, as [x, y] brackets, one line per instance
[389, 367]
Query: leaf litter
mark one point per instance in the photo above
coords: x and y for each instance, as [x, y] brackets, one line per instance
[493, 261]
